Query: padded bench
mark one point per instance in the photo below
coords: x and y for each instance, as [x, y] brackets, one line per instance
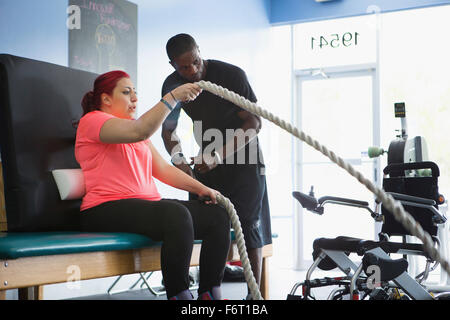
[30, 260]
[39, 109]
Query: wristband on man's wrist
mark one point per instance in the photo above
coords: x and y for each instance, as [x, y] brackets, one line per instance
[175, 99]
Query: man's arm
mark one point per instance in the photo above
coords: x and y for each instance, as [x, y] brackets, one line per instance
[251, 126]
[168, 133]
[171, 141]
[172, 144]
[177, 179]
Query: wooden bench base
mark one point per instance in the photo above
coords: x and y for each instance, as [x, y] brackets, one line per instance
[31, 273]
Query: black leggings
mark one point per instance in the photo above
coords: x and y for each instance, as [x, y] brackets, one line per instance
[176, 223]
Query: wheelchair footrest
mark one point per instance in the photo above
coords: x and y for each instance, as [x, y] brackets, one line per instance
[294, 297]
[389, 269]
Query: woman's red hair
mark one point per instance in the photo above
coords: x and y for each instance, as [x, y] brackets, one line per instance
[105, 83]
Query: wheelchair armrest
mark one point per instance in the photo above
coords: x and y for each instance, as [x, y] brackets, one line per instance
[349, 202]
[404, 199]
[343, 201]
[438, 218]
[400, 196]
[317, 206]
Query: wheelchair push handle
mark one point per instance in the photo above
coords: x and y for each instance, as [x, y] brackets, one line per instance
[396, 167]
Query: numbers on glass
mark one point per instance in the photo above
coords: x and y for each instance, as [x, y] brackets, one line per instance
[335, 40]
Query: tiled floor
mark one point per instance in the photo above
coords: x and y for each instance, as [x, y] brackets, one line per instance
[282, 278]
[281, 281]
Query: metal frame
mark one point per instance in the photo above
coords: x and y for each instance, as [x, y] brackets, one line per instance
[353, 272]
[144, 277]
[405, 281]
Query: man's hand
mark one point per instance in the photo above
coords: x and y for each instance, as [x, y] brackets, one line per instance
[204, 163]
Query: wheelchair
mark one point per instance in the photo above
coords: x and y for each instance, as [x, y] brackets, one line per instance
[378, 276]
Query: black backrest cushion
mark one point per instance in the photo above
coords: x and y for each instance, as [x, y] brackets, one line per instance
[424, 187]
[40, 104]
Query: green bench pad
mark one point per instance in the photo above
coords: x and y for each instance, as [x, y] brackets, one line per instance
[15, 245]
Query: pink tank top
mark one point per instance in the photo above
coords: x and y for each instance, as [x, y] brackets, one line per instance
[112, 171]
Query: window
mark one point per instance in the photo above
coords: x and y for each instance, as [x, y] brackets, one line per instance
[415, 68]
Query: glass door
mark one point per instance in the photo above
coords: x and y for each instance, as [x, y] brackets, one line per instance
[337, 109]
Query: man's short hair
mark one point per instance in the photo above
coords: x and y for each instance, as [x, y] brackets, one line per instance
[179, 44]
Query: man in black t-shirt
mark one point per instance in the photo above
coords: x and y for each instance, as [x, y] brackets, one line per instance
[230, 159]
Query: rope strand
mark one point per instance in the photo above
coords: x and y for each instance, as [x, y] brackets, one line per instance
[248, 274]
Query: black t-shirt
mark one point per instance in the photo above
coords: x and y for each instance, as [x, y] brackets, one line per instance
[213, 111]
[243, 184]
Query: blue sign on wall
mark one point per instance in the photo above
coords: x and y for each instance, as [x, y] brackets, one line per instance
[295, 11]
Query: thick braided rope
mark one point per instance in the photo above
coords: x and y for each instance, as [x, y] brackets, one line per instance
[236, 224]
[388, 201]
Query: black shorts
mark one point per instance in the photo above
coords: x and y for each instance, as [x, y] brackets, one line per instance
[245, 186]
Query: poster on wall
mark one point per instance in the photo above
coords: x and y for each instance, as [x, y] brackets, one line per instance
[103, 36]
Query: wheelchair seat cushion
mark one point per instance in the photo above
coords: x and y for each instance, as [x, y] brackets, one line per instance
[359, 246]
[346, 244]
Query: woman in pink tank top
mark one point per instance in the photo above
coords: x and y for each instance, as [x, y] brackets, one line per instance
[119, 163]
